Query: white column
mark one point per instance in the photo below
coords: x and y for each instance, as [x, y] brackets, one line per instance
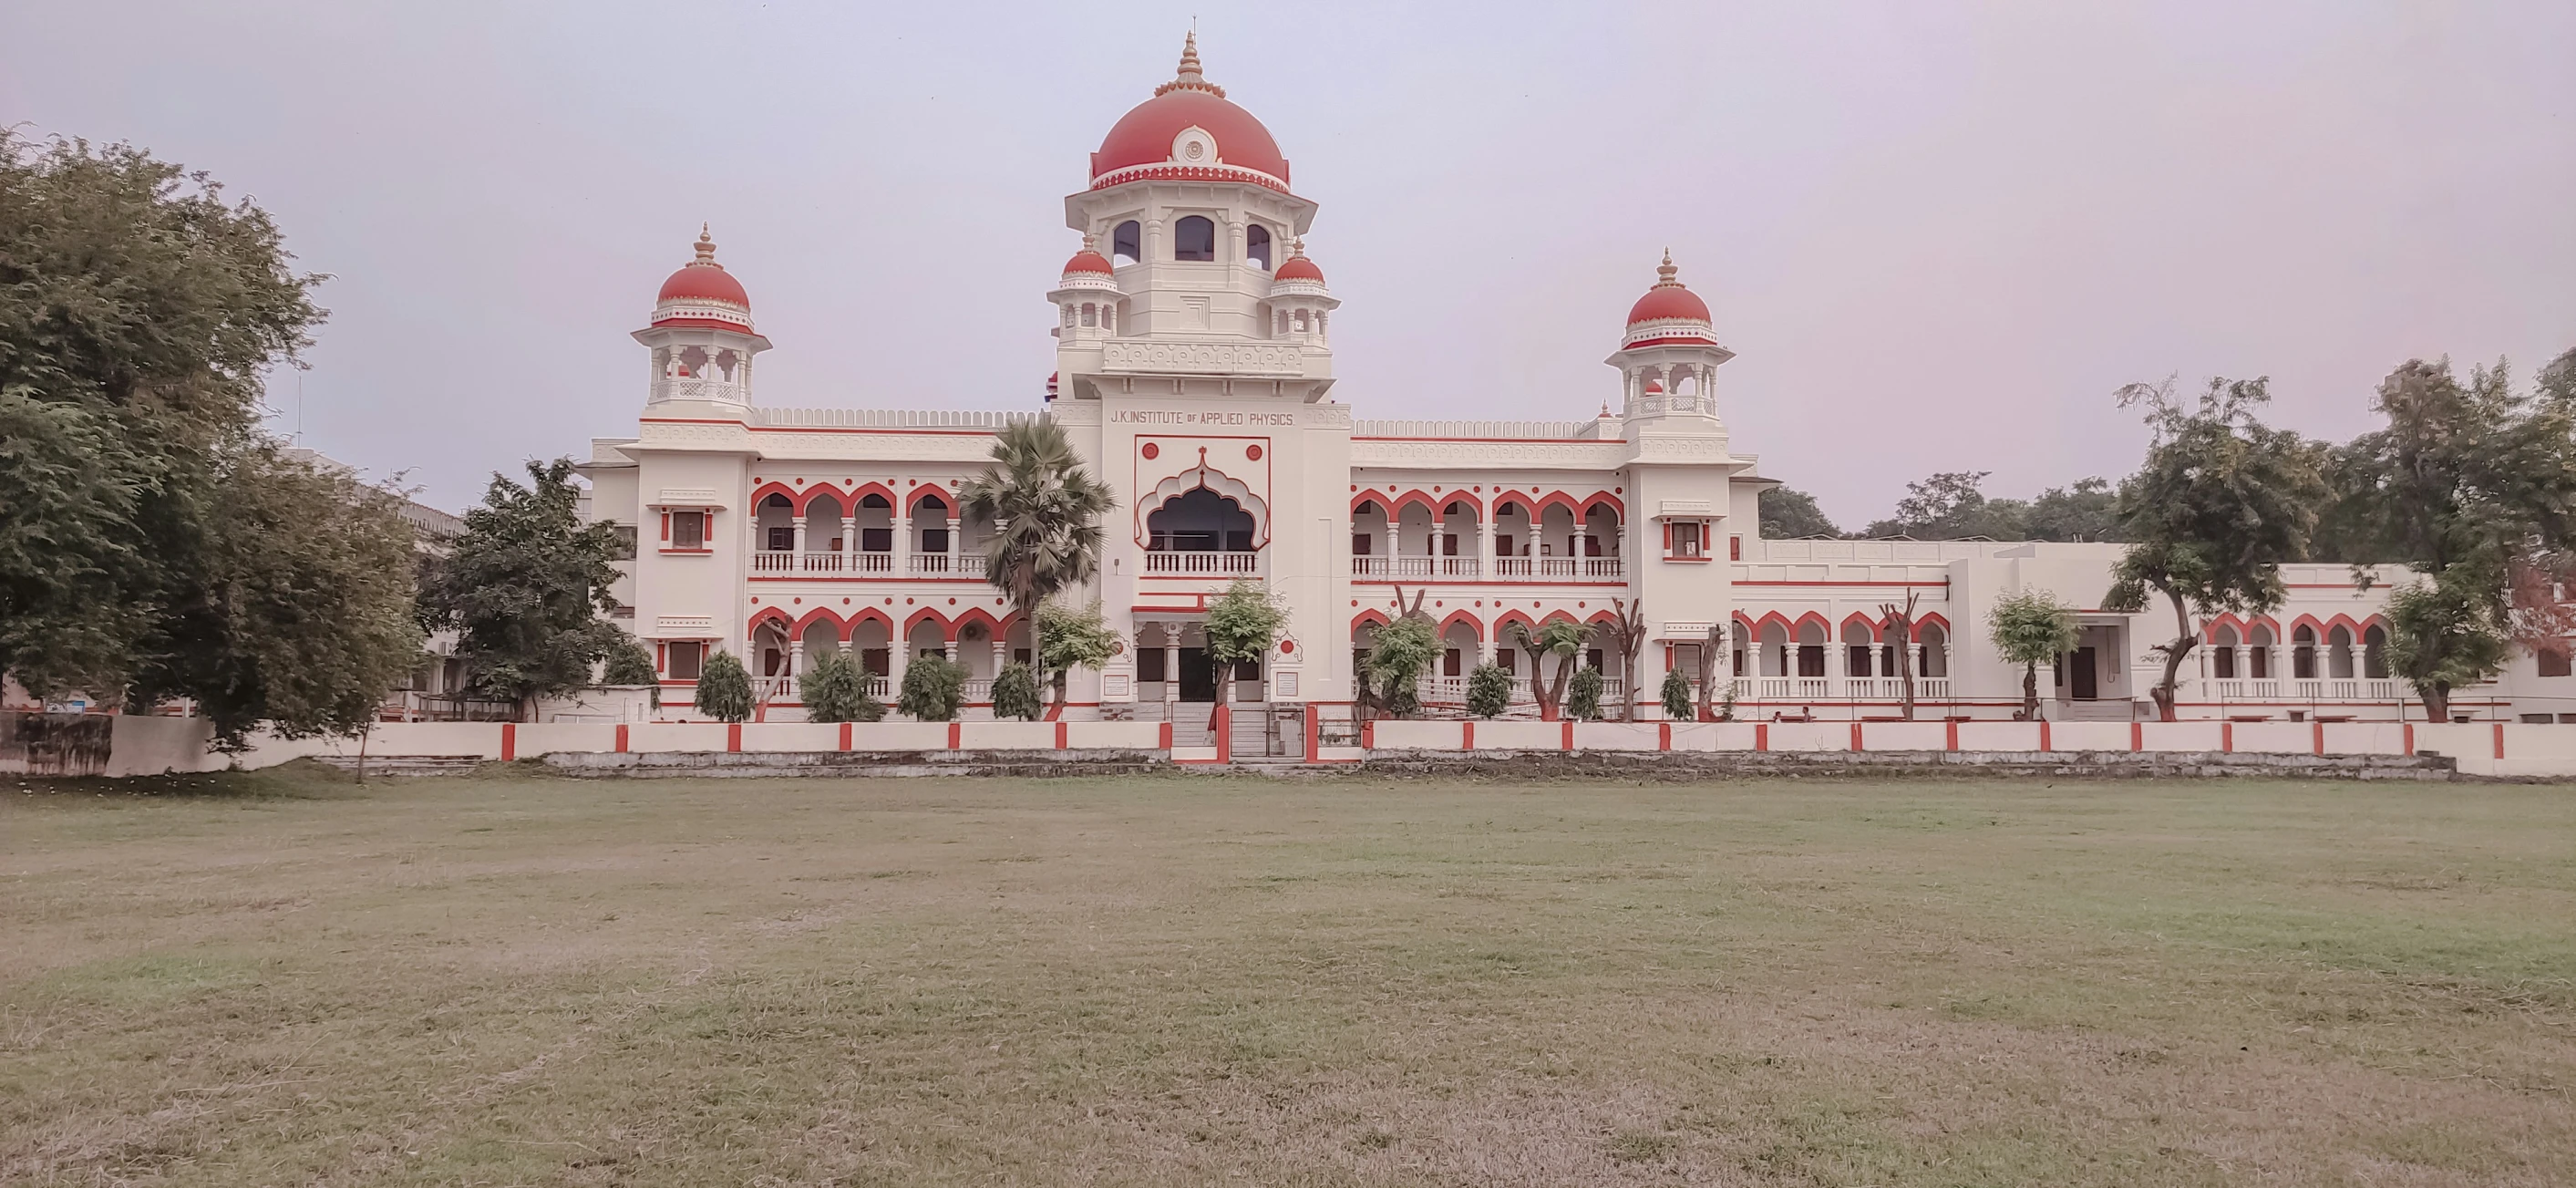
[799, 546]
[898, 659]
[796, 657]
[948, 648]
[1485, 543]
[903, 547]
[850, 538]
[1171, 664]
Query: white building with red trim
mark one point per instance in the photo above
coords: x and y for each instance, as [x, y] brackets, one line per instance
[1195, 374]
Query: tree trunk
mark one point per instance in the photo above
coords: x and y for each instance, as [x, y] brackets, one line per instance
[1056, 708]
[1564, 677]
[1224, 677]
[2030, 692]
[2437, 701]
[2184, 639]
[1905, 673]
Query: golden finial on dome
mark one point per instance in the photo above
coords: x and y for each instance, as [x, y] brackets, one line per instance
[1191, 76]
[706, 246]
[1666, 275]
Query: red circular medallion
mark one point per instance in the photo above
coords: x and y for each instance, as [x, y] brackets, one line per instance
[1252, 452]
[1287, 646]
[1151, 451]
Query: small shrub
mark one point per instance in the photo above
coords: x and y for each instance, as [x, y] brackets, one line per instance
[724, 689]
[630, 664]
[1583, 699]
[1489, 691]
[834, 690]
[1015, 693]
[1677, 696]
[932, 689]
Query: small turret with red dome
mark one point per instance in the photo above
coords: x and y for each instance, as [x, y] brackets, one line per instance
[1189, 132]
[1669, 312]
[702, 294]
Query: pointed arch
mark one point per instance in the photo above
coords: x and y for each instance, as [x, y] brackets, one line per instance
[912, 499]
[1503, 623]
[819, 615]
[1460, 616]
[1931, 620]
[1868, 627]
[768, 614]
[1368, 618]
[850, 626]
[928, 615]
[1218, 481]
[859, 494]
[760, 495]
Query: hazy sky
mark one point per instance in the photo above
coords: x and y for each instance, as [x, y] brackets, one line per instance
[1937, 236]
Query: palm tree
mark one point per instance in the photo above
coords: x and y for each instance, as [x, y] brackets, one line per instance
[1045, 512]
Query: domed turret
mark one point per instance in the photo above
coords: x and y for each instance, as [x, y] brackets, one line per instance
[1669, 355]
[701, 333]
[702, 293]
[1188, 131]
[1669, 310]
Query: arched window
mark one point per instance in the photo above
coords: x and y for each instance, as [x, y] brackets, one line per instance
[1127, 242]
[1199, 521]
[1090, 315]
[2339, 654]
[2374, 652]
[1194, 238]
[1936, 651]
[2303, 654]
[1256, 245]
[872, 499]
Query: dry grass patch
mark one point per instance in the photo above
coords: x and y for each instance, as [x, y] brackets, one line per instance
[510, 979]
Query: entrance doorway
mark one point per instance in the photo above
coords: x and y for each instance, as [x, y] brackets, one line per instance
[2084, 675]
[1197, 682]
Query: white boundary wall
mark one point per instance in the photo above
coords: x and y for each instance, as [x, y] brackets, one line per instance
[144, 746]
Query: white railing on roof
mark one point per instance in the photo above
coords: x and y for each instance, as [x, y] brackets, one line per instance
[1517, 430]
[887, 418]
[1203, 563]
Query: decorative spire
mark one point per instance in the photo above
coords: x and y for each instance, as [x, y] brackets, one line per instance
[1667, 276]
[706, 250]
[1190, 77]
[1090, 243]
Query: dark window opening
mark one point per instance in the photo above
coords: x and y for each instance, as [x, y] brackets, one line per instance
[779, 501]
[781, 539]
[872, 499]
[878, 661]
[688, 530]
[934, 540]
[876, 540]
[625, 542]
[1194, 238]
[930, 503]
[2554, 663]
[1199, 521]
[687, 660]
[1256, 244]
[1149, 664]
[1360, 544]
[1127, 242]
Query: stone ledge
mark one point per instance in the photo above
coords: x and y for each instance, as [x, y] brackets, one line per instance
[857, 764]
[2070, 764]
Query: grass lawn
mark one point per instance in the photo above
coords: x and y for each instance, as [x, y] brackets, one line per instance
[512, 979]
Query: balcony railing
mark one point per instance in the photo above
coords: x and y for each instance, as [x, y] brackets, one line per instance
[969, 565]
[790, 561]
[1392, 567]
[2248, 690]
[1215, 564]
[2345, 690]
[1590, 569]
[1805, 689]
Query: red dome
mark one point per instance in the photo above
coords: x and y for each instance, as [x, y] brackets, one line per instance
[1088, 260]
[704, 282]
[1299, 268]
[1145, 135]
[703, 279]
[1675, 302]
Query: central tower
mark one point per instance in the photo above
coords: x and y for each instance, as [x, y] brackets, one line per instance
[1194, 357]
[1190, 280]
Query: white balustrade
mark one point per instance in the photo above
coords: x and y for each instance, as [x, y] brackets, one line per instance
[979, 689]
[873, 562]
[779, 561]
[1460, 567]
[1235, 564]
[933, 563]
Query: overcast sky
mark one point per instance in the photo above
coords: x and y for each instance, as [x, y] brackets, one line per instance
[1937, 236]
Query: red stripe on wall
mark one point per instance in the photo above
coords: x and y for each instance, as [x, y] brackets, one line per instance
[2137, 736]
[845, 736]
[510, 742]
[1762, 736]
[1664, 736]
[1569, 735]
[2043, 736]
[1467, 735]
[1856, 738]
[621, 738]
[2499, 736]
[956, 736]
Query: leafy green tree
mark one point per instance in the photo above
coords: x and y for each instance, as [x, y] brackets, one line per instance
[835, 690]
[1789, 515]
[2220, 502]
[2472, 485]
[246, 635]
[2088, 511]
[629, 663]
[933, 688]
[1562, 638]
[2031, 628]
[139, 314]
[2442, 635]
[1677, 696]
[1015, 693]
[1583, 697]
[1069, 639]
[1399, 654]
[527, 589]
[1489, 691]
[724, 689]
[1044, 509]
[1242, 626]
